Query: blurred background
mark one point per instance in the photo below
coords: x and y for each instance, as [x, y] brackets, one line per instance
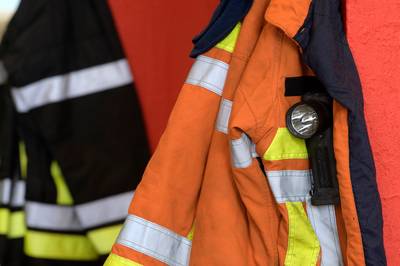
[7, 8]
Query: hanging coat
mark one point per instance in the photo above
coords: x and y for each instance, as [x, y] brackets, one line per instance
[228, 184]
[78, 116]
[12, 187]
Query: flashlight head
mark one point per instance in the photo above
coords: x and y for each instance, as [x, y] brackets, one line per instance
[303, 120]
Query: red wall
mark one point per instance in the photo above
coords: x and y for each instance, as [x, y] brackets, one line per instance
[156, 35]
[373, 28]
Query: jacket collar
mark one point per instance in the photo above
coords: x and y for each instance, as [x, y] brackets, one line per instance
[288, 15]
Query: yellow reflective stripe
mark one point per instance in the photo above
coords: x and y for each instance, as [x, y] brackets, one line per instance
[115, 260]
[17, 225]
[58, 246]
[103, 238]
[4, 220]
[286, 146]
[191, 234]
[303, 245]
[23, 159]
[228, 44]
[63, 194]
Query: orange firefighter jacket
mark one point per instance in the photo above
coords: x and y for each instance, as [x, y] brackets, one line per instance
[228, 184]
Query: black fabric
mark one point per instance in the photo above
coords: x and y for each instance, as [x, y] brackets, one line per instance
[14, 255]
[3, 248]
[46, 262]
[224, 19]
[327, 52]
[98, 139]
[77, 232]
[47, 38]
[8, 138]
[9, 252]
[39, 185]
[298, 86]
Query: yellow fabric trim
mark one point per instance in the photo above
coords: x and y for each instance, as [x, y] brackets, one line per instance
[103, 238]
[23, 159]
[286, 146]
[303, 244]
[17, 227]
[63, 194]
[58, 246]
[191, 234]
[228, 44]
[4, 221]
[115, 260]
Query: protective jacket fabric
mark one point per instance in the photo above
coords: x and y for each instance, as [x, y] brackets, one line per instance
[77, 113]
[228, 184]
[11, 185]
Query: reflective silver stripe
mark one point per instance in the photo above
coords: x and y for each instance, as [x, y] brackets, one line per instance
[208, 73]
[74, 84]
[290, 185]
[51, 217]
[76, 218]
[323, 220]
[295, 186]
[243, 151]
[3, 73]
[106, 210]
[253, 151]
[155, 241]
[5, 191]
[225, 109]
[18, 193]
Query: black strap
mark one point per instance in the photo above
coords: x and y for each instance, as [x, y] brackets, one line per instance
[298, 86]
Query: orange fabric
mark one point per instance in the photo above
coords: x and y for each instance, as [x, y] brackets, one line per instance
[260, 107]
[259, 110]
[219, 54]
[341, 231]
[178, 163]
[355, 252]
[262, 213]
[222, 220]
[190, 178]
[289, 15]
[222, 229]
[260, 104]
[290, 164]
[134, 256]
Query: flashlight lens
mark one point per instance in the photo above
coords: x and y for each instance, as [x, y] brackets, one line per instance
[304, 120]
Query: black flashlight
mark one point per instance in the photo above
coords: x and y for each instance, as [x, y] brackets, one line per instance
[312, 120]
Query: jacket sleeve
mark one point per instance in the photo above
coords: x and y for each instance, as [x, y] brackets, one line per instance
[162, 212]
